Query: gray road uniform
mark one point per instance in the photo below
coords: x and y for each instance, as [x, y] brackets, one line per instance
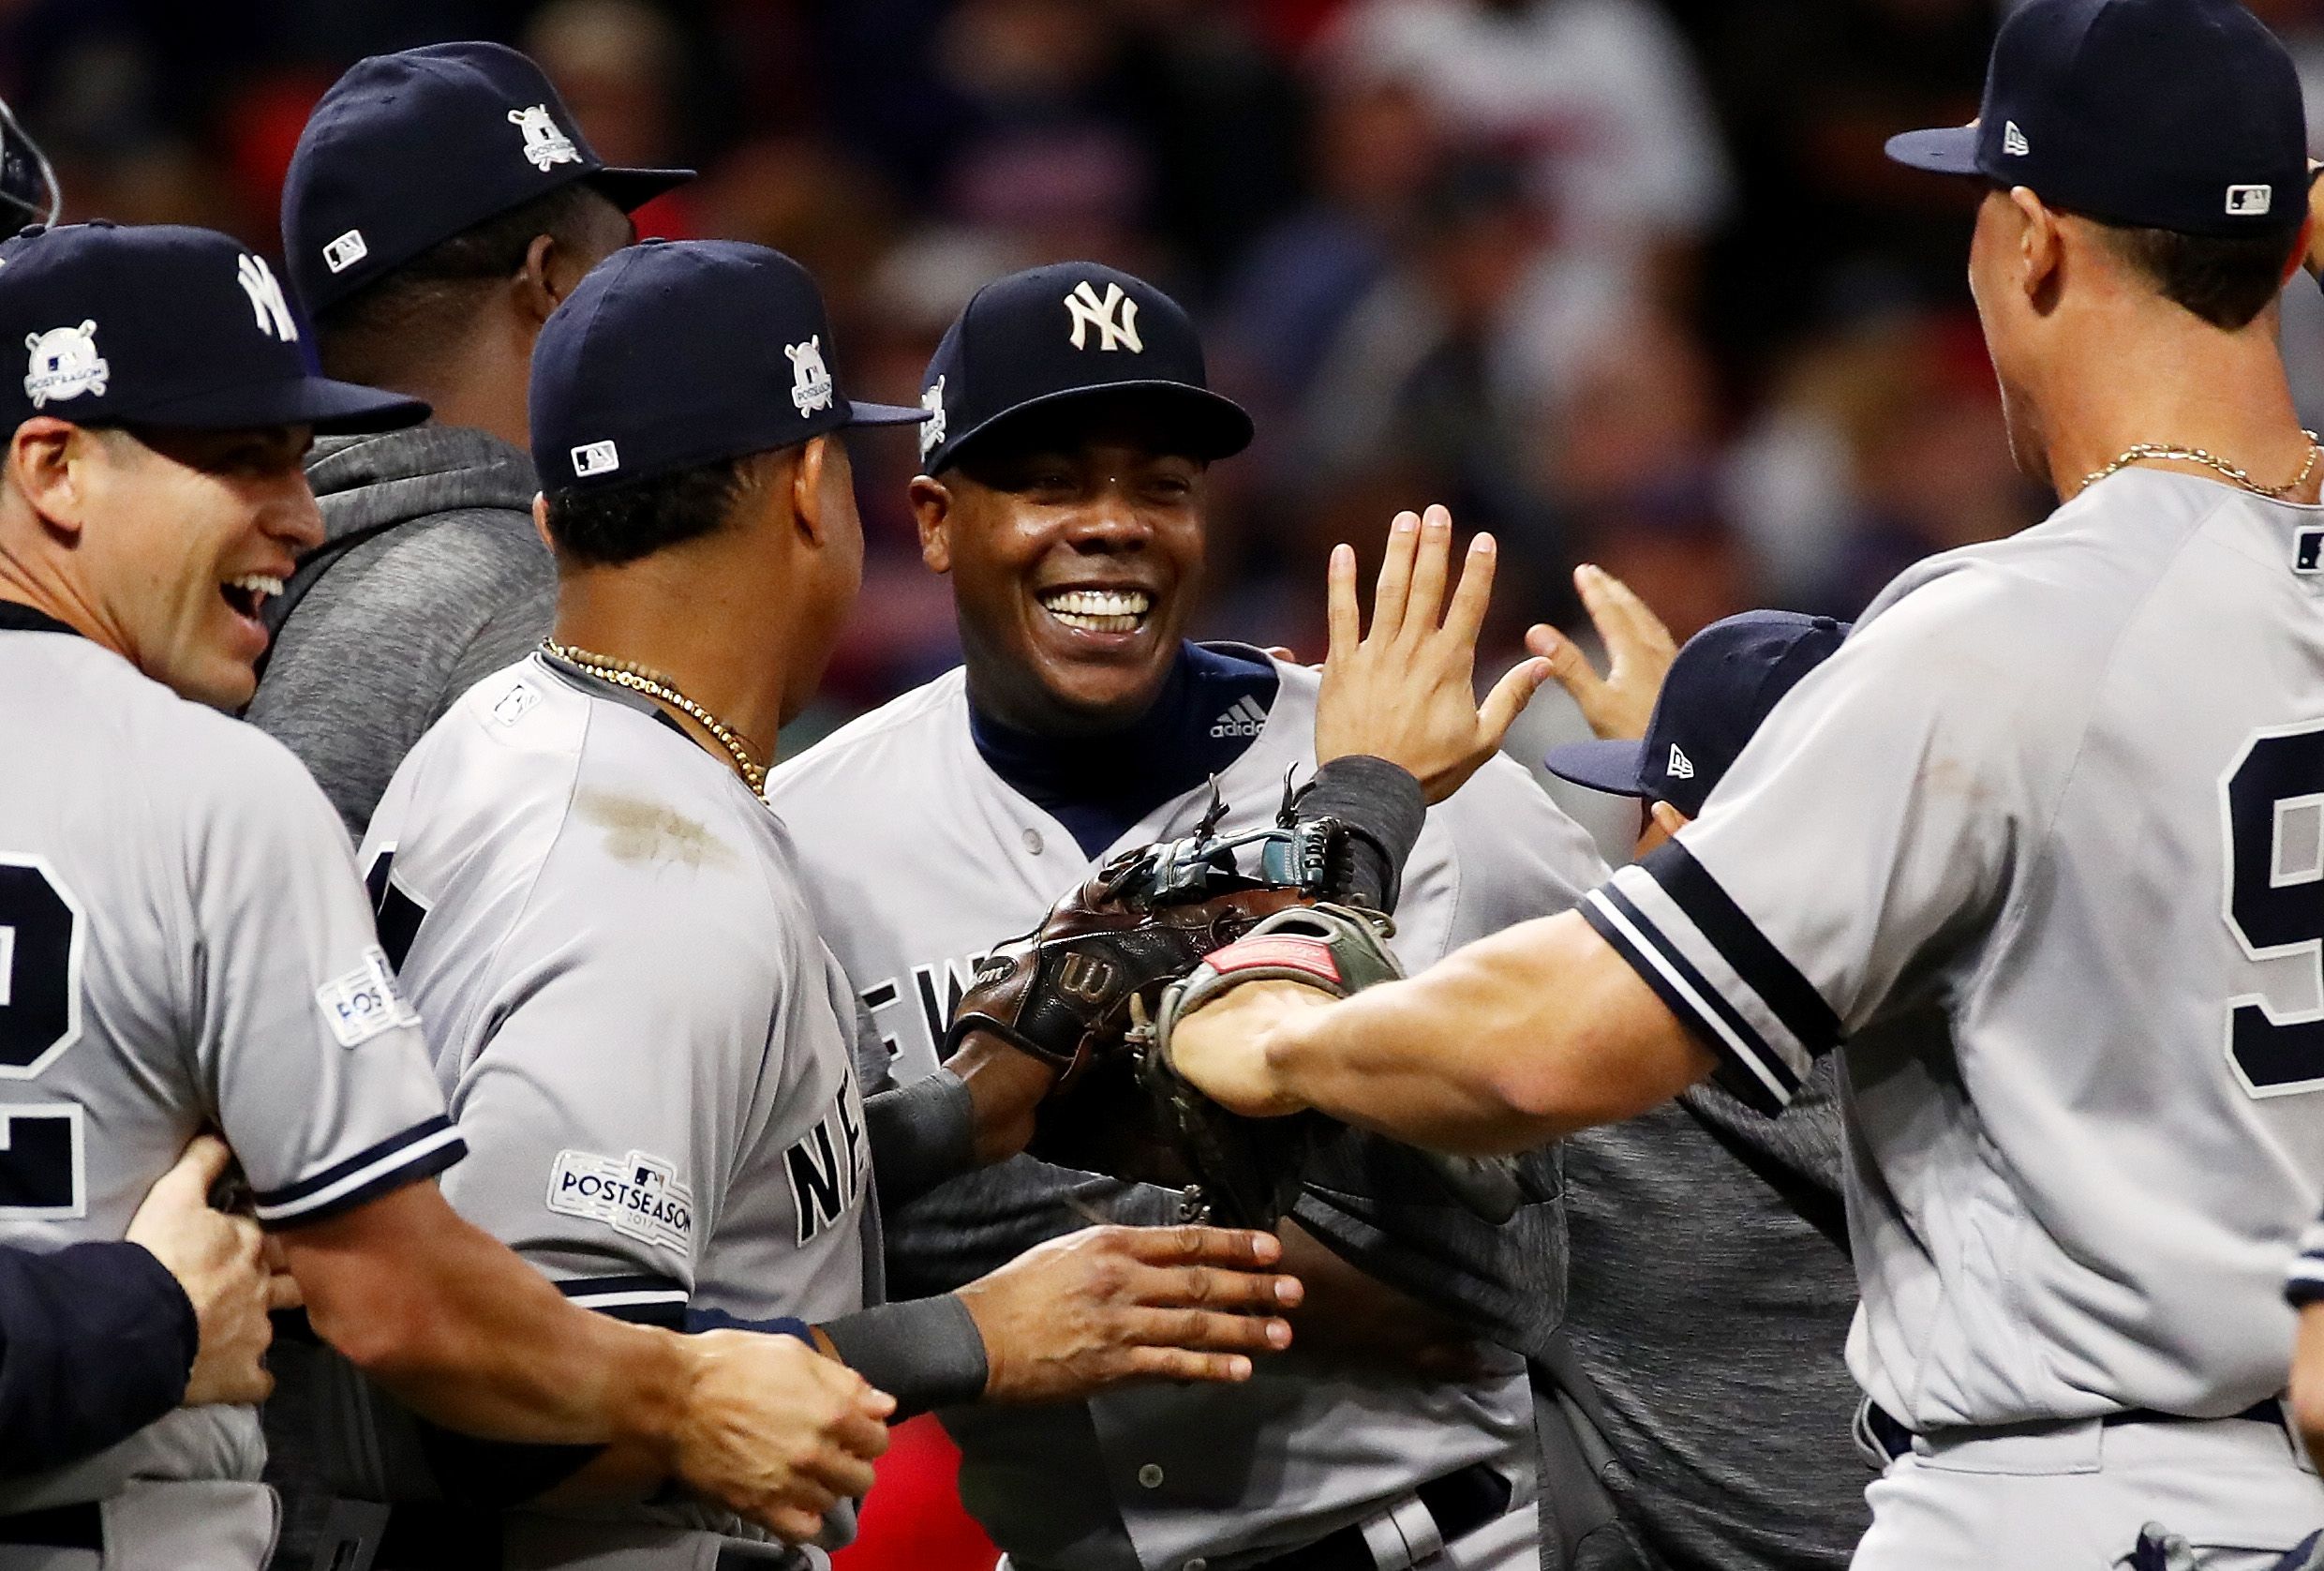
[918, 856]
[183, 944]
[640, 1034]
[2065, 799]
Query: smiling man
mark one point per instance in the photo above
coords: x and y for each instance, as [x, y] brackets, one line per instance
[1065, 493]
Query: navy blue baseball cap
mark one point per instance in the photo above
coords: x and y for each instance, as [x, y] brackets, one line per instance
[677, 352]
[2173, 114]
[1041, 338]
[1723, 684]
[160, 325]
[407, 150]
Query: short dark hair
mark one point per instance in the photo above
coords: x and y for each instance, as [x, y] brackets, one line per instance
[412, 309]
[2226, 282]
[608, 525]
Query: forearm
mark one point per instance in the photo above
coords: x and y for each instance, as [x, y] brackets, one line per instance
[95, 1342]
[1512, 1041]
[464, 1332]
[926, 1352]
[1383, 803]
[921, 1134]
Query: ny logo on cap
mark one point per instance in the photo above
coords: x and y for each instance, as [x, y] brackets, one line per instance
[932, 428]
[64, 365]
[266, 301]
[544, 145]
[811, 380]
[1115, 317]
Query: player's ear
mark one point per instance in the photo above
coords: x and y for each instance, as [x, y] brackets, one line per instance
[2039, 246]
[48, 464]
[820, 463]
[932, 509]
[540, 520]
[537, 287]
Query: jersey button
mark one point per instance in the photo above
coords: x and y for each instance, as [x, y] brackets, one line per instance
[1197, 1564]
[1149, 1477]
[1032, 845]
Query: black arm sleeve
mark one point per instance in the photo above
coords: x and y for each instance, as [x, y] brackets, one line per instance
[96, 1343]
[926, 1352]
[1381, 803]
[921, 1134]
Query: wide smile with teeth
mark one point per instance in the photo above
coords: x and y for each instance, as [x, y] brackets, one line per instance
[249, 593]
[1099, 610]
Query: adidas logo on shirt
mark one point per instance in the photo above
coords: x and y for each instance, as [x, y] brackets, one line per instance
[1246, 719]
[1681, 767]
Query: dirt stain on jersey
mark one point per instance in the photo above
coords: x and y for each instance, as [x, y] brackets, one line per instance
[638, 828]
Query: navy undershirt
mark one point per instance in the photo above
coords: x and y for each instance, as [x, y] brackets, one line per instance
[1098, 787]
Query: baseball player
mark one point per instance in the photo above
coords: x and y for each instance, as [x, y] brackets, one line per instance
[641, 1035]
[99, 1340]
[2032, 852]
[1062, 493]
[184, 942]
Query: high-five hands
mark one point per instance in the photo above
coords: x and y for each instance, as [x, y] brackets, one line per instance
[1406, 691]
[1639, 651]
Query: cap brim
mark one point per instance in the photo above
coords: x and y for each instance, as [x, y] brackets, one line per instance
[633, 188]
[1947, 150]
[330, 407]
[1611, 767]
[1216, 425]
[860, 413]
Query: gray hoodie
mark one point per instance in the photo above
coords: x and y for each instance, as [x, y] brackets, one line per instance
[430, 579]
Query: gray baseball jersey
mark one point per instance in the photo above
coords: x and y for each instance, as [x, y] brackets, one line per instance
[639, 1032]
[919, 858]
[2041, 845]
[183, 944]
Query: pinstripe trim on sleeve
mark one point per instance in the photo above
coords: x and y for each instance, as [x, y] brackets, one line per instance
[1669, 920]
[2304, 1283]
[423, 1149]
[643, 1299]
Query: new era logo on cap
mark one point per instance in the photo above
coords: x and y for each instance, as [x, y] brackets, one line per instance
[596, 458]
[1681, 767]
[2013, 141]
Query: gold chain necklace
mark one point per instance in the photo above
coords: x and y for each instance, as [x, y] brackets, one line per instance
[639, 679]
[2147, 450]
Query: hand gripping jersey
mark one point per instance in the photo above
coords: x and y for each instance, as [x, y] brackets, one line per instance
[641, 1037]
[2041, 851]
[183, 943]
[919, 858]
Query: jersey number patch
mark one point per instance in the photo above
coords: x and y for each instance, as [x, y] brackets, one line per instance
[42, 1171]
[2273, 800]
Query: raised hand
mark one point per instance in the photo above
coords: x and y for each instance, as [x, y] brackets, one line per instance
[1406, 691]
[777, 1432]
[219, 1260]
[1110, 1305]
[1639, 651]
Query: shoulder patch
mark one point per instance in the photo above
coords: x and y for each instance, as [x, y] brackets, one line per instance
[637, 1195]
[361, 1003]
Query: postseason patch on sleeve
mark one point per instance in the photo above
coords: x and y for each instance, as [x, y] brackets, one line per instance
[638, 1196]
[363, 1002]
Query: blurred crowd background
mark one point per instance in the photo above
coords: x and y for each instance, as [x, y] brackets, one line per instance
[1626, 281]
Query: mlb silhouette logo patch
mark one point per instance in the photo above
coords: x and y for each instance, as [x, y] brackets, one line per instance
[346, 251]
[2250, 201]
[2308, 552]
[595, 458]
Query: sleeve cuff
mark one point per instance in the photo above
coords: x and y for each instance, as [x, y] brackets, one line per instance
[419, 1152]
[926, 1352]
[641, 1299]
[1732, 988]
